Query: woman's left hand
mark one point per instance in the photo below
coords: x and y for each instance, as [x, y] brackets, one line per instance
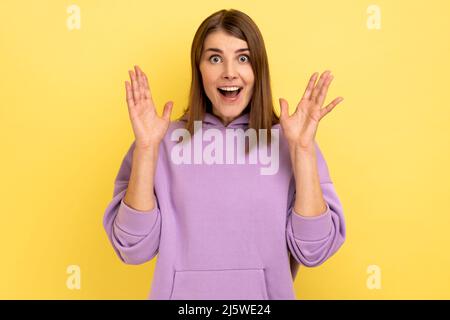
[300, 128]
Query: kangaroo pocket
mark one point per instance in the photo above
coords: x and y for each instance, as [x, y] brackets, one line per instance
[231, 284]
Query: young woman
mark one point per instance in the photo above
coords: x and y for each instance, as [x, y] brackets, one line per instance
[225, 228]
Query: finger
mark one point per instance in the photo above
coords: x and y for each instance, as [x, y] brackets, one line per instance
[323, 92]
[310, 86]
[330, 106]
[167, 110]
[135, 87]
[129, 94]
[146, 87]
[318, 87]
[284, 108]
[140, 82]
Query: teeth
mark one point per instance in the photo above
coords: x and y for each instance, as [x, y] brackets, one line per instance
[229, 88]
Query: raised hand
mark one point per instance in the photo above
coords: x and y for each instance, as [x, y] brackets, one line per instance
[149, 128]
[300, 128]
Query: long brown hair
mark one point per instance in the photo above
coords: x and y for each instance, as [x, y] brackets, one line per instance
[236, 23]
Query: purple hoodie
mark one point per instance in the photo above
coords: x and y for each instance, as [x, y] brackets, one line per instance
[223, 231]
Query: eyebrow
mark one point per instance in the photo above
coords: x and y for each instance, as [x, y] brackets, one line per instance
[220, 51]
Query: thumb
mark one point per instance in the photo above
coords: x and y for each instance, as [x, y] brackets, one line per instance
[284, 108]
[167, 110]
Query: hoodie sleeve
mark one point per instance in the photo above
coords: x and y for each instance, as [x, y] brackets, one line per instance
[312, 240]
[133, 234]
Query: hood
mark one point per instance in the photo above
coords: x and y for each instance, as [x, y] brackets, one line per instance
[211, 120]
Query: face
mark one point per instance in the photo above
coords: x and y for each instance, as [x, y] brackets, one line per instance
[225, 63]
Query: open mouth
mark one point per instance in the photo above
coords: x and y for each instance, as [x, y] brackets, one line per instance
[230, 94]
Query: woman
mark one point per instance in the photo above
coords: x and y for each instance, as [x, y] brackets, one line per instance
[223, 229]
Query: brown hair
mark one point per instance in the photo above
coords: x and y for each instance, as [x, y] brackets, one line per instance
[260, 108]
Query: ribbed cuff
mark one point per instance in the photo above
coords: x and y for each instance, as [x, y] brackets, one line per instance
[136, 222]
[312, 228]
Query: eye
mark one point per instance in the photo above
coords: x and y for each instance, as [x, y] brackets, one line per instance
[213, 56]
[246, 58]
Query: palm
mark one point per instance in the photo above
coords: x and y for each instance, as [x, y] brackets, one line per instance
[146, 122]
[300, 128]
[149, 128]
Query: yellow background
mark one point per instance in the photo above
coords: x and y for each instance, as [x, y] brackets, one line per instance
[65, 129]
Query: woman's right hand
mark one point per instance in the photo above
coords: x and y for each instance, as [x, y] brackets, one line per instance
[149, 129]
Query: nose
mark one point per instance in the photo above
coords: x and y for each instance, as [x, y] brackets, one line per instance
[229, 71]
